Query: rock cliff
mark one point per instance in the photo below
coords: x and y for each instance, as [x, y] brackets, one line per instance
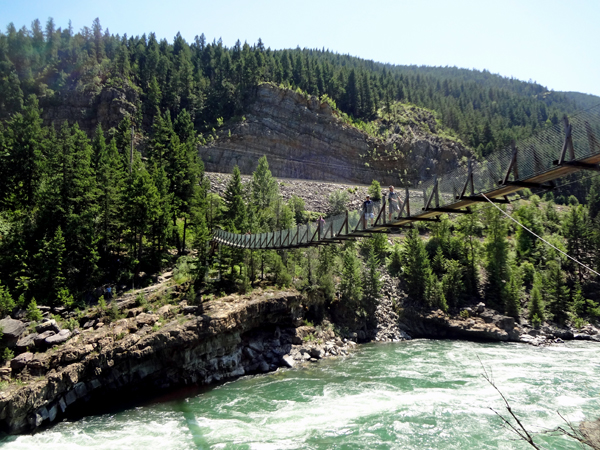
[305, 138]
[111, 363]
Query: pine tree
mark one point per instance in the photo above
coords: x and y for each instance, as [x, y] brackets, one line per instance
[416, 267]
[536, 303]
[351, 284]
[557, 292]
[496, 249]
[111, 178]
[234, 202]
[372, 283]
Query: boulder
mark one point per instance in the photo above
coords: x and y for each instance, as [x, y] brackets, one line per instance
[165, 311]
[480, 307]
[146, 319]
[26, 342]
[59, 338]
[12, 330]
[316, 352]
[21, 361]
[504, 322]
[563, 334]
[89, 324]
[47, 325]
[40, 339]
[288, 361]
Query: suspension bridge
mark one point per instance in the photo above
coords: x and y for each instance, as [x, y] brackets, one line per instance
[535, 163]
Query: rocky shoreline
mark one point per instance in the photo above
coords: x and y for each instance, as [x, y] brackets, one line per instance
[149, 352]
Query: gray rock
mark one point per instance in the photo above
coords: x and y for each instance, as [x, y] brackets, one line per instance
[52, 412]
[249, 353]
[480, 307]
[40, 339]
[563, 334]
[256, 345]
[12, 330]
[263, 366]
[71, 397]
[487, 316]
[582, 337]
[80, 389]
[48, 325]
[190, 310]
[317, 352]
[288, 361]
[26, 342]
[21, 361]
[59, 338]
[89, 324]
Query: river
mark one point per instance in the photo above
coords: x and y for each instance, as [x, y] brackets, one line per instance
[420, 394]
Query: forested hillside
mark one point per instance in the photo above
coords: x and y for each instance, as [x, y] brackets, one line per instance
[81, 206]
[213, 82]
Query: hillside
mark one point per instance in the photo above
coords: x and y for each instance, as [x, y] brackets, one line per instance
[93, 77]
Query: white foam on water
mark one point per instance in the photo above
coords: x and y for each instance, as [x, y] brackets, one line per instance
[416, 395]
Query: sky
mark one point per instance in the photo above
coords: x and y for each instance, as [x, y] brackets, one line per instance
[552, 42]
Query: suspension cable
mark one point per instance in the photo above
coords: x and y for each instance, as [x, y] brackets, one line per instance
[539, 237]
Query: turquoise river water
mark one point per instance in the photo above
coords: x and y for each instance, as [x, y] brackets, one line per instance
[420, 394]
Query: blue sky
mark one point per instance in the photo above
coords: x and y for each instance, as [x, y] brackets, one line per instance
[555, 43]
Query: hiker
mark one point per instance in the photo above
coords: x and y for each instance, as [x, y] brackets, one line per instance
[321, 225]
[394, 202]
[368, 212]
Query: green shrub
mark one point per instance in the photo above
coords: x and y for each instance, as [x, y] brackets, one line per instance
[337, 202]
[375, 191]
[140, 300]
[8, 354]
[33, 312]
[7, 303]
[464, 314]
[536, 322]
[113, 312]
[71, 324]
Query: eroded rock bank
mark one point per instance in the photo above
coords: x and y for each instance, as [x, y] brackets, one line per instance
[153, 352]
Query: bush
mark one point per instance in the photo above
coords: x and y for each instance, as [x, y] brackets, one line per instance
[8, 354]
[375, 191]
[140, 300]
[338, 201]
[395, 265]
[33, 312]
[113, 312]
[7, 304]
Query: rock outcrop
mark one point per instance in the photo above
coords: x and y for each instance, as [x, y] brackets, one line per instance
[131, 358]
[486, 326]
[304, 138]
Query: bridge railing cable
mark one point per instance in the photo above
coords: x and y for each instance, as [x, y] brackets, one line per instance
[576, 139]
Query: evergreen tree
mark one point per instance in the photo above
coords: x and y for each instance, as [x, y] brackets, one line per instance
[496, 249]
[416, 267]
[536, 303]
[557, 292]
[371, 282]
[351, 283]
[111, 178]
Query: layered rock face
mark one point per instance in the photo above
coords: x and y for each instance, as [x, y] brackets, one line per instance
[200, 348]
[107, 105]
[304, 138]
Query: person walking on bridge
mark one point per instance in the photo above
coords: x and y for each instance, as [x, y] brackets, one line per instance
[321, 225]
[368, 212]
[394, 203]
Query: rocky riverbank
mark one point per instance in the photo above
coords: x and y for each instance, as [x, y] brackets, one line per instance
[149, 352]
[159, 347]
